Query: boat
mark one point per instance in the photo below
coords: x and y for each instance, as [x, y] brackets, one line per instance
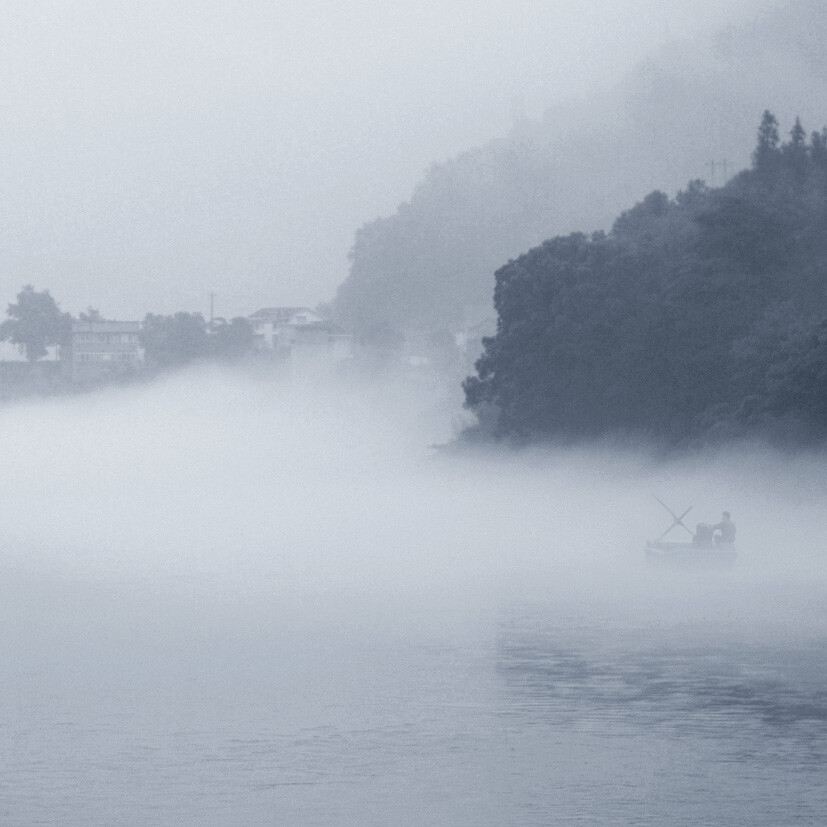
[688, 555]
[703, 551]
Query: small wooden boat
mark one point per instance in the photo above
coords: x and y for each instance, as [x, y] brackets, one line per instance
[691, 555]
[704, 551]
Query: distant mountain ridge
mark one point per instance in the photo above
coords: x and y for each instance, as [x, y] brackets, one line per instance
[430, 265]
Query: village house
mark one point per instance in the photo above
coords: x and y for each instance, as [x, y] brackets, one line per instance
[300, 333]
[100, 350]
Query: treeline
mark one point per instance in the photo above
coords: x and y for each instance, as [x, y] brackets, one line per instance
[184, 338]
[35, 322]
[695, 319]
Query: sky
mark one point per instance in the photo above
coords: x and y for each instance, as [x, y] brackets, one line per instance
[155, 153]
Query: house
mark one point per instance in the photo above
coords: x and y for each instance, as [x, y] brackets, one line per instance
[273, 327]
[300, 333]
[101, 350]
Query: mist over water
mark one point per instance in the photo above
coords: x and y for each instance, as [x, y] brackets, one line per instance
[328, 484]
[244, 589]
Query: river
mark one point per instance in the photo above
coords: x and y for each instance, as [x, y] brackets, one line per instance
[222, 603]
[194, 704]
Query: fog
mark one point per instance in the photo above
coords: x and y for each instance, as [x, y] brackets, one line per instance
[300, 486]
[263, 599]
[154, 154]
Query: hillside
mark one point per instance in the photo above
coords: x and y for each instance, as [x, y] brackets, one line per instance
[430, 265]
[702, 317]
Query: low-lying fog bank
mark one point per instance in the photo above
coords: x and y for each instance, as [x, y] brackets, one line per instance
[316, 493]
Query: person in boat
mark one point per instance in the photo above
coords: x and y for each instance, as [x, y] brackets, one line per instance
[725, 529]
[703, 535]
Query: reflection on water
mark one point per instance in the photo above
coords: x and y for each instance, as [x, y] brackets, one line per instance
[719, 733]
[630, 679]
[119, 707]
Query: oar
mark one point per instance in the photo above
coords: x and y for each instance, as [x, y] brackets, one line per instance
[676, 519]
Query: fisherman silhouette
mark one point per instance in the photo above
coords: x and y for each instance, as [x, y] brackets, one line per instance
[726, 529]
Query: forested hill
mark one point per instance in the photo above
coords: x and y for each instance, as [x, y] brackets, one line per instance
[430, 264]
[698, 318]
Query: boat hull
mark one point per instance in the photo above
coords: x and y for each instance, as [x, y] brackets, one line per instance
[689, 556]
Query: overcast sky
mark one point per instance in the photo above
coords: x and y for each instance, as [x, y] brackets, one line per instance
[156, 151]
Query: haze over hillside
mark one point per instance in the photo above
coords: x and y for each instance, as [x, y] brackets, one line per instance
[154, 151]
[661, 125]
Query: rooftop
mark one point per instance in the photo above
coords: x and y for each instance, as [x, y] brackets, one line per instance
[278, 314]
[106, 327]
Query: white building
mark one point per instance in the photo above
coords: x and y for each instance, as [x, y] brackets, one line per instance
[300, 333]
[103, 350]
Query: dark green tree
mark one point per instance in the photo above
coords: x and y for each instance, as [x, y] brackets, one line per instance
[818, 148]
[91, 314]
[231, 341]
[796, 152]
[174, 341]
[766, 151]
[35, 322]
[797, 382]
[694, 319]
[798, 136]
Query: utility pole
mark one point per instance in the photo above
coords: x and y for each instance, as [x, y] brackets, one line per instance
[212, 300]
[712, 166]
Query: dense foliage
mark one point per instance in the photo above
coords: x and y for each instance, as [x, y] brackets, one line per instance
[695, 318]
[184, 338]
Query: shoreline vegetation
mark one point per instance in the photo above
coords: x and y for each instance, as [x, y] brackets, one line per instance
[39, 329]
[695, 321]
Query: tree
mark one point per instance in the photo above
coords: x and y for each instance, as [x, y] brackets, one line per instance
[797, 134]
[35, 322]
[699, 318]
[767, 148]
[174, 341]
[91, 314]
[797, 381]
[796, 154]
[231, 341]
[818, 147]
